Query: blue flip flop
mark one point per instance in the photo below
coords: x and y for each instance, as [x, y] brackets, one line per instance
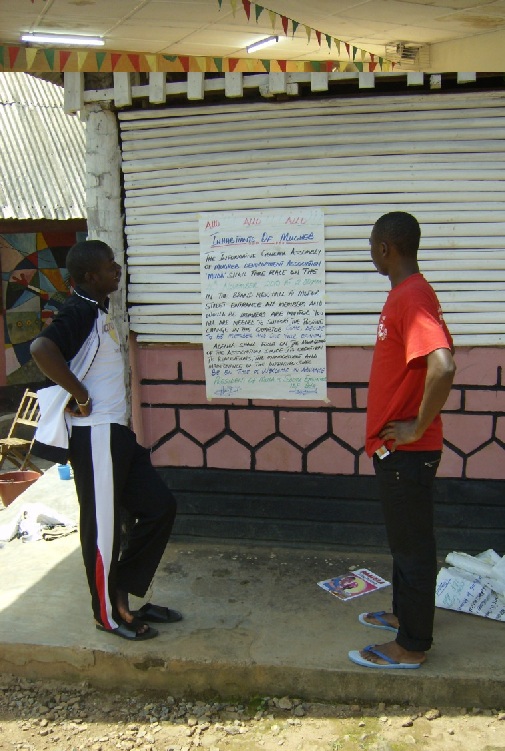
[378, 617]
[356, 657]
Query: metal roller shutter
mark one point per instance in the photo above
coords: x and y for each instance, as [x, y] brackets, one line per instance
[439, 156]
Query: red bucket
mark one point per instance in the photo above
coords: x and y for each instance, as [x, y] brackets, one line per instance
[13, 484]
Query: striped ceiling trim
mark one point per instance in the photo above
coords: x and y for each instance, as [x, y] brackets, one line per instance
[38, 60]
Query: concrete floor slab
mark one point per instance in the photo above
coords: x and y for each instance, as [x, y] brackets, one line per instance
[255, 623]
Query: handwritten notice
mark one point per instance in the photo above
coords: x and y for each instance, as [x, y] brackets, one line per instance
[262, 275]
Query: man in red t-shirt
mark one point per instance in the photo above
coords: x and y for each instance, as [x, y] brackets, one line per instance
[411, 377]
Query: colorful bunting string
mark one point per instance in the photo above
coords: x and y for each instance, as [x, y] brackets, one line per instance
[89, 61]
[54, 60]
[29, 59]
[285, 21]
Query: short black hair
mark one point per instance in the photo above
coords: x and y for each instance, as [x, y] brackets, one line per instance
[401, 230]
[84, 256]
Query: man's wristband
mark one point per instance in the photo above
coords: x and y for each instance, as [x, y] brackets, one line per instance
[84, 404]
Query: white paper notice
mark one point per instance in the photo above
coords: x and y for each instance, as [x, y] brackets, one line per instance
[262, 275]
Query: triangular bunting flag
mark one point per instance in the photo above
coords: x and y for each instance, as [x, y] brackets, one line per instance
[151, 61]
[218, 62]
[328, 41]
[135, 61]
[363, 55]
[49, 55]
[372, 66]
[170, 58]
[273, 18]
[220, 3]
[381, 62]
[184, 61]
[337, 44]
[115, 57]
[258, 10]
[64, 55]
[100, 57]
[81, 59]
[354, 52]
[31, 54]
[201, 63]
[266, 65]
[233, 4]
[247, 8]
[232, 63]
[318, 37]
[308, 31]
[284, 22]
[316, 66]
[347, 48]
[13, 53]
[282, 65]
[295, 26]
[359, 67]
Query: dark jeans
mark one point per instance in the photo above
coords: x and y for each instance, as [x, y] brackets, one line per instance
[406, 491]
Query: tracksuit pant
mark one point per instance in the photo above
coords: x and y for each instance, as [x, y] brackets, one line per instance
[406, 492]
[111, 470]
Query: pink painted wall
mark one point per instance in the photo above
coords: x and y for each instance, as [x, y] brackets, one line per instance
[174, 418]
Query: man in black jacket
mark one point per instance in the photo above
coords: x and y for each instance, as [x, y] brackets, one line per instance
[83, 418]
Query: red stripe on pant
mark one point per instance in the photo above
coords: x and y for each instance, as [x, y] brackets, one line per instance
[101, 590]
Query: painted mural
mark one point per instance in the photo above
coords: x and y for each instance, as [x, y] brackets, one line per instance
[34, 286]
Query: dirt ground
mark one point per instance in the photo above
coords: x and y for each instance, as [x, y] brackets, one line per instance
[48, 716]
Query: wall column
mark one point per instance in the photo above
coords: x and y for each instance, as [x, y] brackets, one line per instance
[103, 202]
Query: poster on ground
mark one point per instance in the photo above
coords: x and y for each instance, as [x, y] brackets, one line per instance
[353, 584]
[262, 279]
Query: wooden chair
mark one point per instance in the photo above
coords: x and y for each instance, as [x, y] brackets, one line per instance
[17, 446]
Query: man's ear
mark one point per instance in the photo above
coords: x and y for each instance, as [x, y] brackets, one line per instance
[89, 276]
[384, 249]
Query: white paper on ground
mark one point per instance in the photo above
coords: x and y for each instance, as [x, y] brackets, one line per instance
[31, 519]
[475, 584]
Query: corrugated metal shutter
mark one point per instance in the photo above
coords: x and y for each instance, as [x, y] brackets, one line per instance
[439, 156]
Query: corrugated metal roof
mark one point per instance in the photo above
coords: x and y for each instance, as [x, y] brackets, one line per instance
[42, 152]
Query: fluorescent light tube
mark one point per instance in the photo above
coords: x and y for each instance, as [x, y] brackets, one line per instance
[262, 43]
[65, 39]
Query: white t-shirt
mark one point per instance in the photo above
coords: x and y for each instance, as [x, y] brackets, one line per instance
[105, 378]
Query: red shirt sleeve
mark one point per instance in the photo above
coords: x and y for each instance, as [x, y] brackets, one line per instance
[423, 326]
